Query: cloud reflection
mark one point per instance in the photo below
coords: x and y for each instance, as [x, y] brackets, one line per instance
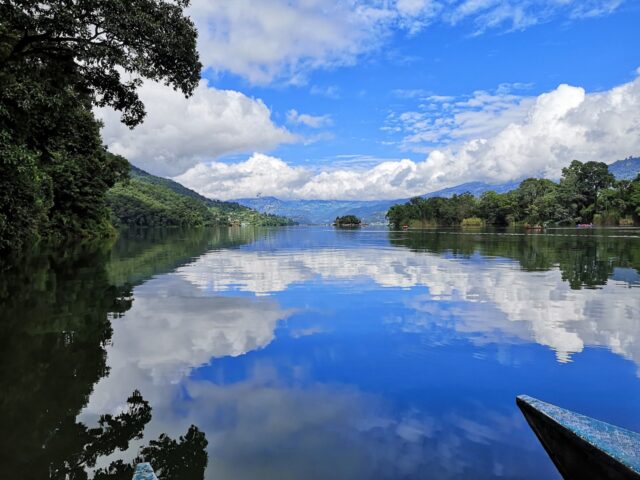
[504, 301]
[265, 427]
[172, 328]
[270, 424]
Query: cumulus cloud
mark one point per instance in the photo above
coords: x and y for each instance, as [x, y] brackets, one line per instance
[312, 121]
[270, 40]
[533, 138]
[179, 133]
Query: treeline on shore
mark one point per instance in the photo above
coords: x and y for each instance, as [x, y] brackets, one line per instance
[586, 193]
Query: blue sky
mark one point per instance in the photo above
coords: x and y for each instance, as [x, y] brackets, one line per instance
[385, 99]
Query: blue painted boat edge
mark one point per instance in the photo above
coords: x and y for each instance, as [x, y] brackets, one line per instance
[144, 471]
[567, 435]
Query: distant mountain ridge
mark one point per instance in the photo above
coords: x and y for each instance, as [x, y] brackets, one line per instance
[626, 169]
[373, 211]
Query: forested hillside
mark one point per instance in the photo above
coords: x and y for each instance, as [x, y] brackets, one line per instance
[150, 201]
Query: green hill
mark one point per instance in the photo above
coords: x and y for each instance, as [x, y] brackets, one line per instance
[150, 201]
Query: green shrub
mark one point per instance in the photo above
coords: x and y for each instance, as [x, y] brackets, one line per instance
[606, 218]
[472, 222]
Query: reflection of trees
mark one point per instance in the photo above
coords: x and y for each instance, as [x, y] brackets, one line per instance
[55, 312]
[584, 260]
[142, 253]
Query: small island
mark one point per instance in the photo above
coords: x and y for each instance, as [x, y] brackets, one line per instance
[347, 221]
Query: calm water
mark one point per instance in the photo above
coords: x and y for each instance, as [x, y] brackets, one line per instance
[316, 353]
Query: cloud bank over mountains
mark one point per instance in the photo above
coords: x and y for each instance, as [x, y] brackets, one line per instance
[542, 136]
[486, 136]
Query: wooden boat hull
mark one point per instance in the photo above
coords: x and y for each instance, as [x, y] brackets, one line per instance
[582, 447]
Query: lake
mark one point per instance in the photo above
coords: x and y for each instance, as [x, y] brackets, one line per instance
[315, 353]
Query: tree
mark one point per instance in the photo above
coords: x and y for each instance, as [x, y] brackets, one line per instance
[494, 208]
[632, 196]
[526, 195]
[95, 40]
[59, 59]
[580, 185]
[347, 221]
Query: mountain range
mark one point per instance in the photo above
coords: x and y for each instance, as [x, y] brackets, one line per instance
[373, 211]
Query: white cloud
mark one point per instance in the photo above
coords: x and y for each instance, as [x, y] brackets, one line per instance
[442, 119]
[268, 40]
[312, 121]
[536, 137]
[260, 174]
[179, 133]
[331, 91]
[520, 14]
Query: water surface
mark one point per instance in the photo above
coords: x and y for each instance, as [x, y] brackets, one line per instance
[321, 353]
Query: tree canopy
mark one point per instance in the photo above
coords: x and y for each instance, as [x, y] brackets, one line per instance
[347, 221]
[103, 47]
[58, 60]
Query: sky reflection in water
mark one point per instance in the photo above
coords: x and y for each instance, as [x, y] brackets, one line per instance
[315, 353]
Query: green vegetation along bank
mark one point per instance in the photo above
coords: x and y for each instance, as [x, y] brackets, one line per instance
[149, 201]
[587, 193]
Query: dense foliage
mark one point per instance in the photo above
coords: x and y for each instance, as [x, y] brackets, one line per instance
[347, 221]
[150, 201]
[59, 59]
[586, 193]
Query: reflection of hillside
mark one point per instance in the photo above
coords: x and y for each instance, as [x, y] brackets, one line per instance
[140, 254]
[584, 260]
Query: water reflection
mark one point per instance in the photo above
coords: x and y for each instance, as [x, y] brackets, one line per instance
[173, 328]
[264, 427]
[496, 299]
[57, 308]
[310, 353]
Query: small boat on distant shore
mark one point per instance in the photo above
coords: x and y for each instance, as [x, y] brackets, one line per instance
[585, 225]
